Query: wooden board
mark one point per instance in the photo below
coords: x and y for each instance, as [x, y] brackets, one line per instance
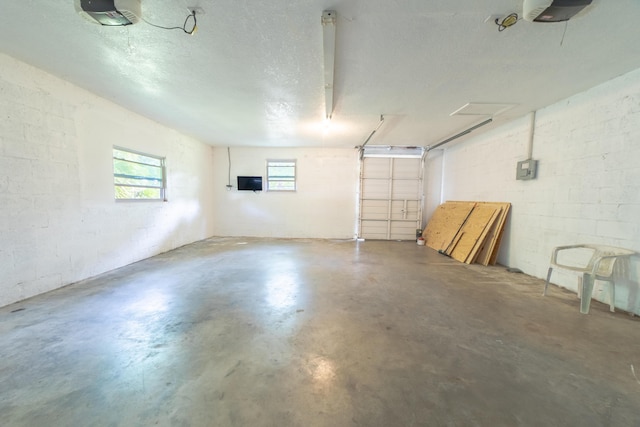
[492, 241]
[453, 244]
[445, 223]
[468, 231]
[496, 246]
[484, 254]
[483, 237]
[473, 229]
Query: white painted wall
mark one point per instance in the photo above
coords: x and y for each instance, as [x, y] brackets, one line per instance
[588, 185]
[324, 205]
[60, 223]
[433, 173]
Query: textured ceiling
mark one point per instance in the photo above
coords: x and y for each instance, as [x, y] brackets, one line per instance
[252, 74]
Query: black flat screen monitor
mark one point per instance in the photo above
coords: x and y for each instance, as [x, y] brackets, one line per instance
[250, 183]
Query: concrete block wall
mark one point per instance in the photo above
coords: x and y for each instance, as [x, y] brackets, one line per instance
[60, 222]
[588, 185]
[324, 205]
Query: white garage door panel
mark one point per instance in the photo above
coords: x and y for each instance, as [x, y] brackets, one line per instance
[390, 198]
[405, 190]
[376, 188]
[376, 209]
[376, 168]
[376, 230]
[406, 168]
[403, 231]
[404, 209]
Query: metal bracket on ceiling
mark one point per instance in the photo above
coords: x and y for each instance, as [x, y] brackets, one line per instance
[374, 131]
[459, 135]
[361, 147]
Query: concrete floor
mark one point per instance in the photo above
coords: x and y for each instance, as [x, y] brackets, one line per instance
[256, 332]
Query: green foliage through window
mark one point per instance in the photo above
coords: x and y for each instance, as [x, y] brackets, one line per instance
[138, 176]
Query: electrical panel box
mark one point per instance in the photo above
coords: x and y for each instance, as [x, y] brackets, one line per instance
[526, 169]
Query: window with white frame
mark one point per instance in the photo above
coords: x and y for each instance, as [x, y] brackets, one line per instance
[281, 175]
[138, 176]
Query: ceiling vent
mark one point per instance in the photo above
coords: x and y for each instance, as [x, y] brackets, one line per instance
[111, 13]
[552, 10]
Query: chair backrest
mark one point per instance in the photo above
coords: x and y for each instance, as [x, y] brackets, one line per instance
[605, 268]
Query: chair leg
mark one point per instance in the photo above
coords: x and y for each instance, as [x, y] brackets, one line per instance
[546, 284]
[580, 287]
[612, 297]
[587, 290]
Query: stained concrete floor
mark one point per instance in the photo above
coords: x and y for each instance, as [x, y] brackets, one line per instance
[256, 332]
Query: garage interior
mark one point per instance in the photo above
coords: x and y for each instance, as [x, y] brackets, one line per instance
[309, 302]
[315, 332]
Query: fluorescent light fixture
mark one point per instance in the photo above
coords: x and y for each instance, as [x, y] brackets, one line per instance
[329, 18]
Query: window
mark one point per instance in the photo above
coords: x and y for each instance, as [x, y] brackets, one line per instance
[281, 175]
[138, 176]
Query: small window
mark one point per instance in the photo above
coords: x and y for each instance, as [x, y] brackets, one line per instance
[281, 175]
[138, 176]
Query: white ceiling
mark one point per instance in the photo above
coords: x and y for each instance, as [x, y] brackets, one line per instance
[252, 74]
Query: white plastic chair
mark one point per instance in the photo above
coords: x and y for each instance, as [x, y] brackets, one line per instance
[600, 267]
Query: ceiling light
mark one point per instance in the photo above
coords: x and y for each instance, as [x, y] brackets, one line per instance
[329, 19]
[326, 126]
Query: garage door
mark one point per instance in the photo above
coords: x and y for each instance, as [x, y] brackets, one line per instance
[390, 198]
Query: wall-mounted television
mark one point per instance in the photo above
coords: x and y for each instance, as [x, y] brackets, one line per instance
[250, 183]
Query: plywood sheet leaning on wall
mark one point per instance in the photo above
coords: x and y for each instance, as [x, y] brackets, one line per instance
[445, 223]
[488, 254]
[473, 232]
[468, 231]
[482, 240]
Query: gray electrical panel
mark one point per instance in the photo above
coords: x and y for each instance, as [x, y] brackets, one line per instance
[526, 169]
